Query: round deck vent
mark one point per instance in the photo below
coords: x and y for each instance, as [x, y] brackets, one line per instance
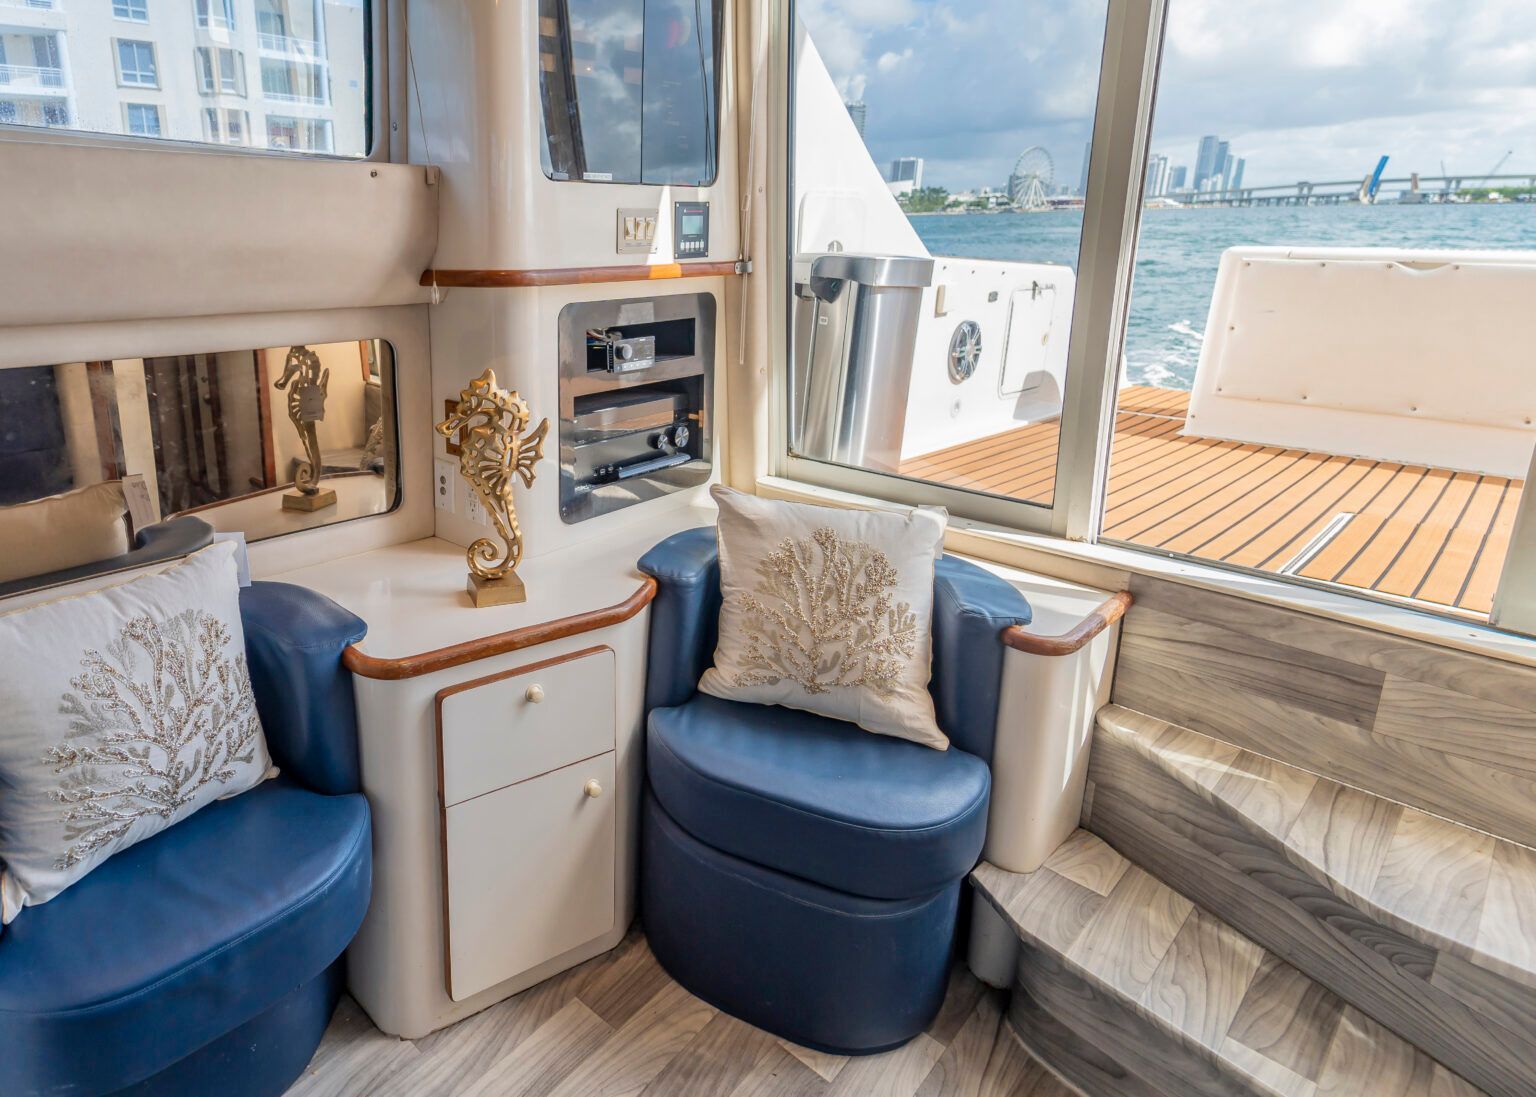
[964, 351]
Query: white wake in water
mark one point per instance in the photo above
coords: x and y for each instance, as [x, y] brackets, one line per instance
[1168, 362]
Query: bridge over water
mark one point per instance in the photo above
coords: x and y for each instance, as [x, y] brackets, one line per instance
[1431, 188]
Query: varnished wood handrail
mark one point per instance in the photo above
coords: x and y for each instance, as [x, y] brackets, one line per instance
[576, 276]
[364, 665]
[1074, 639]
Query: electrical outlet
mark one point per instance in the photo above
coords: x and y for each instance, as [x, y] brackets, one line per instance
[445, 477]
[474, 510]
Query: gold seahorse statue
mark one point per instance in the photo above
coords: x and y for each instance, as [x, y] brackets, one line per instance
[306, 383]
[496, 447]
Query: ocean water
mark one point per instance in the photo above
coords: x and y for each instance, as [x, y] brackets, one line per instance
[1180, 249]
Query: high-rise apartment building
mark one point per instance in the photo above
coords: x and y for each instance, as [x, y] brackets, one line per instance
[1207, 162]
[280, 74]
[907, 169]
[1178, 178]
[859, 113]
[1237, 174]
[1157, 176]
[1082, 185]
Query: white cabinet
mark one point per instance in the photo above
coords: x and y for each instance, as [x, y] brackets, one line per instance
[503, 729]
[530, 873]
[527, 780]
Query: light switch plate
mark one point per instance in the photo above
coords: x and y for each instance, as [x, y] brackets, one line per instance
[445, 476]
[636, 231]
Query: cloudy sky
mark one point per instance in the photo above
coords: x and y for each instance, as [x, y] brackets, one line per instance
[1304, 89]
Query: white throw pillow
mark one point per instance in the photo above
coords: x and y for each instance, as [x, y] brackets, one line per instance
[126, 710]
[828, 611]
[63, 531]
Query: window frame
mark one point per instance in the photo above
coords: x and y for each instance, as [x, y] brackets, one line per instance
[1132, 43]
[204, 18]
[122, 73]
[1128, 86]
[211, 73]
[128, 14]
[128, 110]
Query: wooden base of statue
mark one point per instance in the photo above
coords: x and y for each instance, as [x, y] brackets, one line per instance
[506, 591]
[297, 500]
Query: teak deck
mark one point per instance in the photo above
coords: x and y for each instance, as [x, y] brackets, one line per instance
[1406, 531]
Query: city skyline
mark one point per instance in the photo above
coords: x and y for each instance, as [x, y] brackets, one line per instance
[1309, 89]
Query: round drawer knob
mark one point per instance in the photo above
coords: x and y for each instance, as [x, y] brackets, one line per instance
[534, 694]
[593, 788]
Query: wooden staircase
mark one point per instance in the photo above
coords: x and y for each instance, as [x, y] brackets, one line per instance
[1230, 923]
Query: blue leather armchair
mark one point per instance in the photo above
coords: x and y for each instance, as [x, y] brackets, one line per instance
[207, 959]
[796, 871]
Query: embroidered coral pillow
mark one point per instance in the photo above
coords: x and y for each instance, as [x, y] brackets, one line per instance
[126, 710]
[828, 611]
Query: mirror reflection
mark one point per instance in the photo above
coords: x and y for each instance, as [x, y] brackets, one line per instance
[261, 442]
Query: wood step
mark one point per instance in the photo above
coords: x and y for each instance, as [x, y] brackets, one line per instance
[1127, 989]
[1413, 920]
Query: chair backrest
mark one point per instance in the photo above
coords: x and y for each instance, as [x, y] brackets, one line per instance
[971, 608]
[293, 644]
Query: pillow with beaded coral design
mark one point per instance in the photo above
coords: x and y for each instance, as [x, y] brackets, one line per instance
[828, 611]
[127, 709]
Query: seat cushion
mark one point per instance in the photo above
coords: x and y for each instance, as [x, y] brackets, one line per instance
[181, 939]
[817, 798]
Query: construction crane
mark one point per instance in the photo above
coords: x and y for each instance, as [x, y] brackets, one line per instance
[1496, 169]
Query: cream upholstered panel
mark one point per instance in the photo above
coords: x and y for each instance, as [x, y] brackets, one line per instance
[134, 234]
[1449, 341]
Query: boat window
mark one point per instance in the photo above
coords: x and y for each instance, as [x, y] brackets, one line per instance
[1326, 372]
[630, 90]
[226, 435]
[940, 177]
[289, 75]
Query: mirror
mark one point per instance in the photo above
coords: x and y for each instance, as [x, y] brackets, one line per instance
[228, 435]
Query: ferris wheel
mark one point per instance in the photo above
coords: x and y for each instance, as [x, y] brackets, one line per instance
[1029, 186]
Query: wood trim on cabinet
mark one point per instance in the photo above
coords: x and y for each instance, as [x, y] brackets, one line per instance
[577, 276]
[1074, 639]
[442, 796]
[364, 665]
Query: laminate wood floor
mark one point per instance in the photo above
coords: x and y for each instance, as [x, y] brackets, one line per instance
[1405, 531]
[1138, 971]
[618, 1026]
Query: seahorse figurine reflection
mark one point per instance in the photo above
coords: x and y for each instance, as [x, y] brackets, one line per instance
[493, 451]
[306, 383]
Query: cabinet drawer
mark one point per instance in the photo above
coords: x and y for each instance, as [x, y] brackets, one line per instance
[530, 873]
[504, 729]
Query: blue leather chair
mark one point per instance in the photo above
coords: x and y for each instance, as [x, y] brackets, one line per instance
[207, 959]
[798, 872]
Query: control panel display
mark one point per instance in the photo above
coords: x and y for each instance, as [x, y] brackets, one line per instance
[690, 230]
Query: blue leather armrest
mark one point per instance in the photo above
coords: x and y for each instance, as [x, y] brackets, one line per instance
[293, 643]
[971, 608]
[685, 616]
[161, 541]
